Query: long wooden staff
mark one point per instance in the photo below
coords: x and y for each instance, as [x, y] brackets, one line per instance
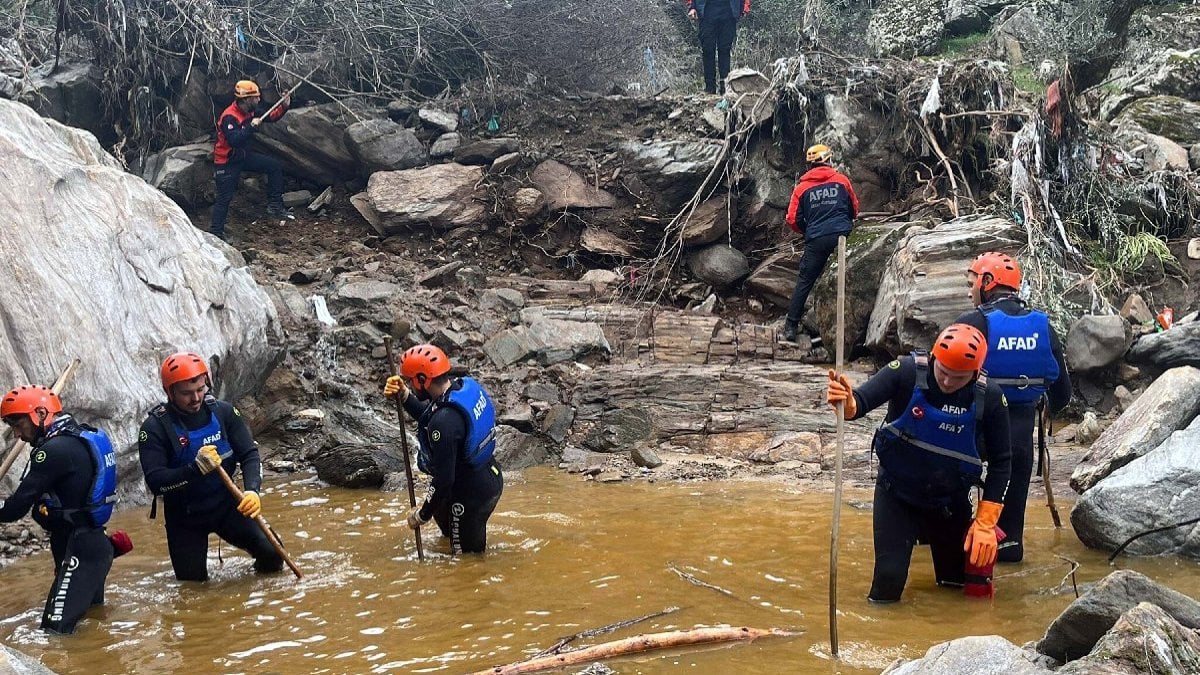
[412, 494]
[1044, 461]
[841, 441]
[289, 92]
[22, 445]
[262, 524]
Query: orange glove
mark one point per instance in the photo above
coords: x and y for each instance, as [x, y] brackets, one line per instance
[980, 545]
[839, 391]
[251, 504]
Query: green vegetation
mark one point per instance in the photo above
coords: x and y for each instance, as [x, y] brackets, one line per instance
[963, 45]
[1024, 80]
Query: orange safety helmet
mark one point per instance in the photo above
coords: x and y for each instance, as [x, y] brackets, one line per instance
[1004, 270]
[39, 402]
[423, 363]
[960, 347]
[181, 367]
[819, 153]
[245, 89]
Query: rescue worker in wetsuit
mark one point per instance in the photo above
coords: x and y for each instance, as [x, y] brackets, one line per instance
[181, 444]
[70, 484]
[944, 421]
[456, 424]
[1025, 357]
[823, 208]
[232, 154]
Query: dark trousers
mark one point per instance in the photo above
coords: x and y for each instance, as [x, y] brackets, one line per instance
[82, 559]
[716, 41]
[464, 518]
[1021, 419]
[812, 264]
[227, 176]
[899, 526]
[187, 541]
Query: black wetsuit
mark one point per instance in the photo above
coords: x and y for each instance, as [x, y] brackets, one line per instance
[1022, 418]
[461, 497]
[899, 525]
[195, 506]
[62, 465]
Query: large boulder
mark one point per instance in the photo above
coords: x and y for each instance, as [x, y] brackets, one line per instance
[965, 17]
[1081, 625]
[442, 197]
[383, 145]
[518, 450]
[720, 265]
[1179, 346]
[358, 466]
[867, 251]
[485, 151]
[1175, 118]
[312, 141]
[672, 169]
[97, 246]
[1153, 491]
[1126, 648]
[775, 277]
[184, 173]
[1096, 341]
[71, 94]
[565, 189]
[1170, 403]
[16, 663]
[906, 27]
[976, 654]
[546, 339]
[710, 221]
[923, 288]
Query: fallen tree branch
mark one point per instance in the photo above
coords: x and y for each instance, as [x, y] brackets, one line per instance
[592, 632]
[1069, 575]
[693, 579]
[636, 645]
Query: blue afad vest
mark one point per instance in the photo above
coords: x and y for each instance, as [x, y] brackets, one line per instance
[476, 407]
[103, 493]
[190, 443]
[1019, 357]
[927, 456]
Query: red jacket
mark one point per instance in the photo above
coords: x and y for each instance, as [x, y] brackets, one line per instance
[823, 203]
[234, 132]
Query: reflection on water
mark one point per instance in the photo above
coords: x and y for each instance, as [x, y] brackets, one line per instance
[565, 556]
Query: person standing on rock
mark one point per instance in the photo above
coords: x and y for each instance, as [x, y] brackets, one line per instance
[823, 208]
[232, 154]
[718, 27]
[181, 444]
[1025, 357]
[456, 425]
[944, 420]
[70, 485]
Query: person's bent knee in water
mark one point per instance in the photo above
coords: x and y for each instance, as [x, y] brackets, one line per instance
[181, 445]
[71, 489]
[1025, 357]
[456, 437]
[944, 421]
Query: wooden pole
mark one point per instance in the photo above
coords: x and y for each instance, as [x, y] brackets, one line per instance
[834, 531]
[20, 445]
[262, 524]
[412, 494]
[1044, 460]
[289, 92]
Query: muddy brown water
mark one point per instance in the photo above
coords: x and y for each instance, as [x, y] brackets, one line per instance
[565, 556]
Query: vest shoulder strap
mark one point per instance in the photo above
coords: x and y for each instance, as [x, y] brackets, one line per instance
[980, 394]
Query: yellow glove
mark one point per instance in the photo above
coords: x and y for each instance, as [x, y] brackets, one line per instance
[251, 504]
[980, 545]
[839, 390]
[395, 385]
[207, 459]
[414, 518]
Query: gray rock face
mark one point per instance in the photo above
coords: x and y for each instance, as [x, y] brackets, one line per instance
[518, 450]
[673, 169]
[620, 431]
[710, 221]
[445, 145]
[977, 654]
[923, 288]
[906, 27]
[1096, 341]
[1179, 346]
[561, 340]
[720, 265]
[1144, 640]
[565, 189]
[1152, 491]
[867, 252]
[485, 151]
[438, 119]
[557, 423]
[1081, 625]
[358, 466]
[71, 96]
[383, 145]
[312, 141]
[1175, 118]
[184, 173]
[16, 663]
[511, 346]
[1169, 404]
[105, 265]
[366, 292]
[442, 197]
[528, 202]
[964, 17]
[775, 277]
[645, 457]
[1194, 157]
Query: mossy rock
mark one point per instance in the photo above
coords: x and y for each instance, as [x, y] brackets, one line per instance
[1175, 118]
